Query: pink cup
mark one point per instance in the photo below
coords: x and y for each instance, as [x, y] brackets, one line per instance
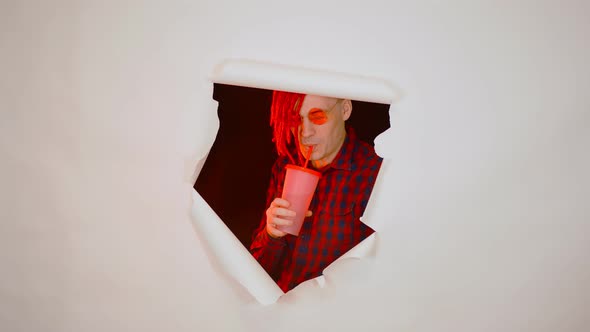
[298, 189]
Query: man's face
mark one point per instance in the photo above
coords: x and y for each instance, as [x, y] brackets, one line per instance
[322, 126]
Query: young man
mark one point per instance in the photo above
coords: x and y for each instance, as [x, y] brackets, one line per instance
[349, 169]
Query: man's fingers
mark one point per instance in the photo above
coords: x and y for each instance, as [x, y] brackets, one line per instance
[277, 211]
[308, 213]
[280, 202]
[280, 222]
[274, 232]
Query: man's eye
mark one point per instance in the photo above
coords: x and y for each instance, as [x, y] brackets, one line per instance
[317, 116]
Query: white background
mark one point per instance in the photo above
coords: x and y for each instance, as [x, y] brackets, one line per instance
[106, 109]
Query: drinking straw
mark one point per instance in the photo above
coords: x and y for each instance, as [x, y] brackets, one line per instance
[308, 156]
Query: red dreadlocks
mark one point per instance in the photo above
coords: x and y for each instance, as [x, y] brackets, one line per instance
[284, 115]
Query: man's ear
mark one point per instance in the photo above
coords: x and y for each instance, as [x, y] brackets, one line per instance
[346, 109]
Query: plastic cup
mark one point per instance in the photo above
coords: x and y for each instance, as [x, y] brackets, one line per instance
[298, 189]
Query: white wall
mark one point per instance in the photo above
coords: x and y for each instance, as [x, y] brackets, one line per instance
[106, 108]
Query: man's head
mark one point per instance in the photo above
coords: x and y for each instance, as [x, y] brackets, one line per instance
[322, 127]
[314, 121]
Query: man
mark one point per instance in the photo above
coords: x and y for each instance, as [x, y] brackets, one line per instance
[349, 169]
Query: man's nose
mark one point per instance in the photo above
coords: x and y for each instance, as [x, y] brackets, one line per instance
[307, 129]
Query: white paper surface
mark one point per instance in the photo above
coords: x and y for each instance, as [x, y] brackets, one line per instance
[481, 215]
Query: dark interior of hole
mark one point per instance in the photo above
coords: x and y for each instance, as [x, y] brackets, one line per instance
[235, 176]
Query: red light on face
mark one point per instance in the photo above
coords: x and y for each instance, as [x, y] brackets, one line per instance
[317, 116]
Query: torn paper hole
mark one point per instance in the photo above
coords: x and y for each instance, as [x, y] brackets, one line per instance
[230, 207]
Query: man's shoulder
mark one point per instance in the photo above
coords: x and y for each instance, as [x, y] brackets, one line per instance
[364, 156]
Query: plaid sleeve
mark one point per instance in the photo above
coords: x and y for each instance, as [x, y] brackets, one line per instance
[269, 251]
[372, 169]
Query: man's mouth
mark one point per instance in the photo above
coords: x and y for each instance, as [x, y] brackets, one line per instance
[311, 144]
[308, 150]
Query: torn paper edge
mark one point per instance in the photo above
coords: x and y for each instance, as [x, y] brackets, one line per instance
[256, 74]
[227, 250]
[230, 253]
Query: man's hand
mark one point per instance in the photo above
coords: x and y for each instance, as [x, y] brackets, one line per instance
[275, 216]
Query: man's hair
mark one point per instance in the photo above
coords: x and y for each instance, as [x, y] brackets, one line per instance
[284, 115]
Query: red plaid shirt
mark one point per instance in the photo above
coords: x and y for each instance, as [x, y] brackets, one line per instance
[334, 228]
